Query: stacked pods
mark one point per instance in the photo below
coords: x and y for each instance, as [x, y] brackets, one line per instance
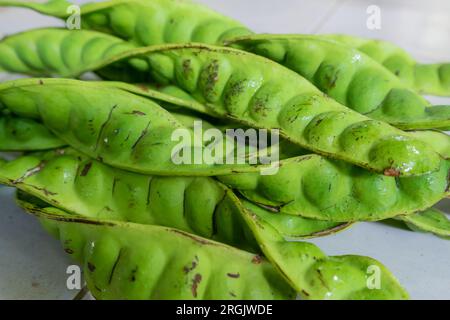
[100, 170]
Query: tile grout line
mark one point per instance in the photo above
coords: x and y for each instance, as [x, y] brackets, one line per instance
[334, 8]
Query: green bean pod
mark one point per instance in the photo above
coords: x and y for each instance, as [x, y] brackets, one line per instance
[80, 185]
[317, 276]
[351, 78]
[21, 134]
[57, 52]
[144, 22]
[302, 264]
[431, 220]
[426, 78]
[112, 125]
[440, 141]
[303, 114]
[132, 261]
[262, 94]
[318, 188]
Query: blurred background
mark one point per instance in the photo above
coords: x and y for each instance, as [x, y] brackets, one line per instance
[32, 265]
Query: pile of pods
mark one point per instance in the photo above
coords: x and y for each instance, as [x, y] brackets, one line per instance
[358, 143]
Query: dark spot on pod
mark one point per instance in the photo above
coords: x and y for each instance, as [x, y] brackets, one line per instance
[305, 293]
[141, 136]
[321, 279]
[142, 87]
[448, 182]
[233, 275]
[192, 237]
[68, 251]
[44, 190]
[232, 294]
[391, 172]
[137, 113]
[195, 282]
[41, 82]
[133, 274]
[187, 269]
[187, 66]
[91, 267]
[86, 169]
[257, 259]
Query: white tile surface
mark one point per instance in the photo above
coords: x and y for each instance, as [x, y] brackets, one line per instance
[32, 265]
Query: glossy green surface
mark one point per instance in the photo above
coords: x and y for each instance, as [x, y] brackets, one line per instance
[260, 93]
[302, 264]
[351, 78]
[75, 183]
[21, 134]
[426, 78]
[431, 220]
[147, 22]
[316, 187]
[440, 141]
[53, 51]
[317, 276]
[106, 123]
[257, 92]
[133, 261]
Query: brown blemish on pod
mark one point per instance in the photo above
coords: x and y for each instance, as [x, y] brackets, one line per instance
[195, 282]
[391, 172]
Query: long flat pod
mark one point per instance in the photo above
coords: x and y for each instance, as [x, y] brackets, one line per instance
[316, 187]
[262, 94]
[78, 184]
[112, 125]
[318, 276]
[132, 261]
[430, 220]
[21, 134]
[426, 78]
[57, 51]
[350, 77]
[144, 22]
[309, 271]
[77, 44]
[70, 53]
[440, 141]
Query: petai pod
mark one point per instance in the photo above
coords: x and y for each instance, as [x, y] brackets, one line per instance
[80, 185]
[144, 22]
[77, 184]
[260, 93]
[302, 264]
[132, 261]
[318, 276]
[318, 188]
[57, 52]
[351, 78]
[22, 134]
[431, 220]
[425, 78]
[440, 141]
[168, 95]
[114, 126]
